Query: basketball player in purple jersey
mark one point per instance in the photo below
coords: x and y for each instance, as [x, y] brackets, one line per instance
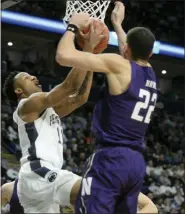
[115, 172]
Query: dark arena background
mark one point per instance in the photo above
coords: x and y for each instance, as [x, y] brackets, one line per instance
[33, 51]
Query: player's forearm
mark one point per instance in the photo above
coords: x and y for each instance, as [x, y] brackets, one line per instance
[150, 208]
[76, 75]
[83, 93]
[66, 48]
[85, 89]
[121, 37]
[75, 101]
[70, 86]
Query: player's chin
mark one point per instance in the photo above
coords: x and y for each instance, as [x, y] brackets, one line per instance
[39, 88]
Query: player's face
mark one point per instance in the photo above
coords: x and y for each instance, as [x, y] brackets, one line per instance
[26, 84]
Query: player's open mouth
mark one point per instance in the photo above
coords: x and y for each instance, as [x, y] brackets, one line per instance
[38, 85]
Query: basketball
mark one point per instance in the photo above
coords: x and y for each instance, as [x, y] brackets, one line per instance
[102, 45]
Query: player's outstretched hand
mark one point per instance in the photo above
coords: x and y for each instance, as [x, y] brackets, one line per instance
[81, 20]
[118, 14]
[95, 34]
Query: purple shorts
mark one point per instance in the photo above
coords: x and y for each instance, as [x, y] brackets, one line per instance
[112, 182]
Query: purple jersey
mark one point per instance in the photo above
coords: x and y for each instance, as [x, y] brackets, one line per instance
[15, 206]
[123, 119]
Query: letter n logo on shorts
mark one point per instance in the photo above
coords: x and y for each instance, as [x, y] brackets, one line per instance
[86, 186]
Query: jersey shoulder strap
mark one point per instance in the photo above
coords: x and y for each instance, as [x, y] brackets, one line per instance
[16, 117]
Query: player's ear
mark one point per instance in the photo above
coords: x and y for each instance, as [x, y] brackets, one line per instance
[18, 91]
[127, 48]
[127, 52]
[150, 54]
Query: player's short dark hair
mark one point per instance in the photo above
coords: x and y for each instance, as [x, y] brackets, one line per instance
[141, 41]
[8, 87]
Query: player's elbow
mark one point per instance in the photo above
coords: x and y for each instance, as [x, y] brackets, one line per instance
[155, 210]
[63, 58]
[82, 100]
[148, 208]
[60, 58]
[85, 99]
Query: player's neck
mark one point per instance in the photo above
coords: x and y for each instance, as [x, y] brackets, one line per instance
[22, 96]
[142, 63]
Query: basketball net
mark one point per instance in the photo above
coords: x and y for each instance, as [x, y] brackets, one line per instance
[95, 9]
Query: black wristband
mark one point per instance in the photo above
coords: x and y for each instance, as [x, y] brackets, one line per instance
[72, 28]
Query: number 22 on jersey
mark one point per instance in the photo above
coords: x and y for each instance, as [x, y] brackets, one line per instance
[148, 98]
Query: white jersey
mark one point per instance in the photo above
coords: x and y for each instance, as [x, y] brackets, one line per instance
[42, 139]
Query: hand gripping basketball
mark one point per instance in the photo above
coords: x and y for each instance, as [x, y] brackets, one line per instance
[95, 35]
[81, 20]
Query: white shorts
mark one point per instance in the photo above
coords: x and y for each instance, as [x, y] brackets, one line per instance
[45, 194]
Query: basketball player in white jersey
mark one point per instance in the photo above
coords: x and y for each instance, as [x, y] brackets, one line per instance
[41, 181]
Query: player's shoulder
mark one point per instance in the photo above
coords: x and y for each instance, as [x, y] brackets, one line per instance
[36, 96]
[117, 63]
[22, 115]
[117, 58]
[32, 100]
[16, 117]
[33, 96]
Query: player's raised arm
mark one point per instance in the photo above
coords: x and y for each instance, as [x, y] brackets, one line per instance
[20, 86]
[68, 55]
[35, 104]
[146, 205]
[117, 18]
[76, 100]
